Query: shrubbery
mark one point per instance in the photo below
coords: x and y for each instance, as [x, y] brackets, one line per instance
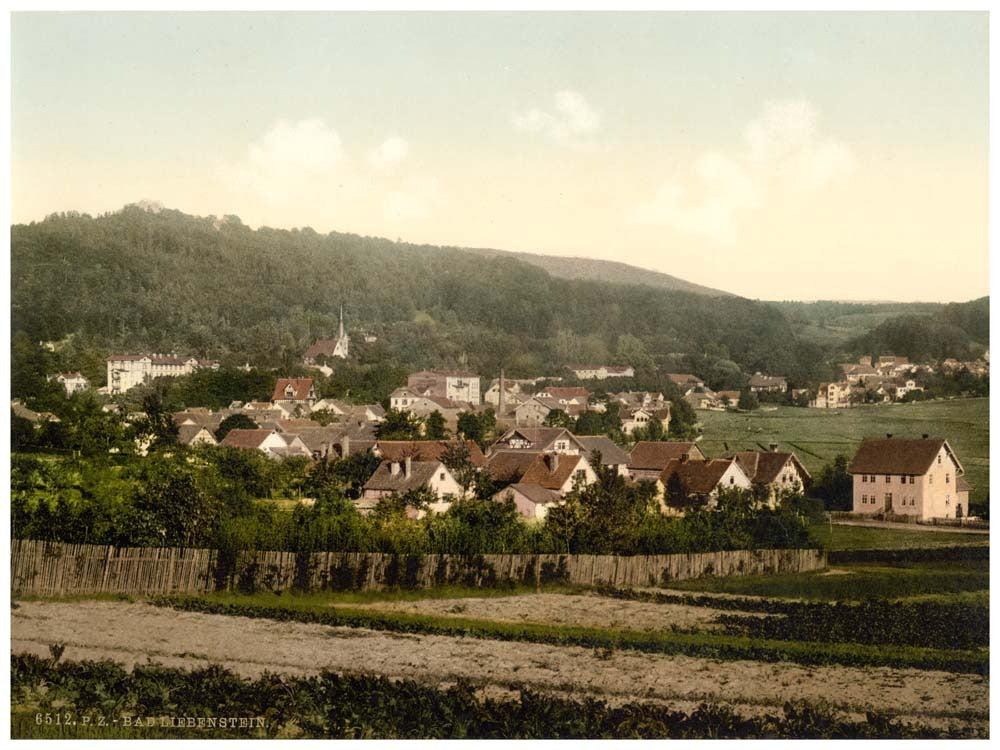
[212, 498]
[364, 706]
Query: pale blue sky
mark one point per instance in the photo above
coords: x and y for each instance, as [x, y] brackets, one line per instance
[884, 110]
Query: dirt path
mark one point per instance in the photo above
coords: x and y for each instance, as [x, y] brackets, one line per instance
[565, 609]
[136, 633]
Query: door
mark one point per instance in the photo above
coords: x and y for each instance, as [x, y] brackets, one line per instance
[888, 502]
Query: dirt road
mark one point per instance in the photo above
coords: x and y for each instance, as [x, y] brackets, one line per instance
[137, 633]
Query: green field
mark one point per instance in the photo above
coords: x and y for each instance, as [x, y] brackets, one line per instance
[835, 537]
[817, 436]
[858, 581]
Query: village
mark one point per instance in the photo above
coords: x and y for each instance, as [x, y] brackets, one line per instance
[433, 429]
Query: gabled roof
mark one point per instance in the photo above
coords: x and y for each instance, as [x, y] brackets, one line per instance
[509, 466]
[294, 425]
[426, 450]
[300, 387]
[542, 473]
[188, 432]
[316, 438]
[421, 473]
[850, 368]
[568, 392]
[698, 477]
[899, 456]
[655, 455]
[539, 437]
[763, 467]
[962, 486]
[250, 439]
[325, 347]
[535, 493]
[765, 380]
[683, 378]
[611, 454]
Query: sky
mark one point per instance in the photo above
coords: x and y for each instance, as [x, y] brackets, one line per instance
[773, 155]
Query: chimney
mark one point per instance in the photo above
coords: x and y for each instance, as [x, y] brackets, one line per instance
[774, 447]
[888, 434]
[394, 468]
[408, 468]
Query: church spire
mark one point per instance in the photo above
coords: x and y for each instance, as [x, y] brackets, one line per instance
[340, 329]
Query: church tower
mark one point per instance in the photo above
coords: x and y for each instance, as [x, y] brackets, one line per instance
[340, 350]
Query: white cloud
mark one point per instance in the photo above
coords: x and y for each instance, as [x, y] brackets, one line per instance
[785, 157]
[387, 156]
[290, 155]
[572, 123]
[301, 173]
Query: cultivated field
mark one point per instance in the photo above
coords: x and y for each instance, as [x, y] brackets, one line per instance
[818, 436]
[905, 640]
[135, 633]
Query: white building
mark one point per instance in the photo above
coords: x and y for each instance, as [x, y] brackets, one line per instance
[71, 381]
[454, 385]
[126, 371]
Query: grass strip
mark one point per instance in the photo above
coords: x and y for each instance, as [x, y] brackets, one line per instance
[703, 645]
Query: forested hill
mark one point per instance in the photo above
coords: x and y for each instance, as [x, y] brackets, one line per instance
[605, 270]
[138, 280]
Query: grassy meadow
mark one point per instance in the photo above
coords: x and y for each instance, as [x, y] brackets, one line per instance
[817, 436]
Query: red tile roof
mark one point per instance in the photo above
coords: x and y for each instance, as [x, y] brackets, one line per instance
[300, 386]
[426, 450]
[247, 439]
[698, 477]
[655, 455]
[551, 470]
[898, 456]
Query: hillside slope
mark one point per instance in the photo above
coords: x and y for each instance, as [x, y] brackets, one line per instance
[591, 269]
[162, 281]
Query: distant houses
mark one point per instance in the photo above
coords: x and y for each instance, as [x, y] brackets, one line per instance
[126, 371]
[601, 372]
[328, 348]
[271, 443]
[759, 383]
[73, 382]
[454, 385]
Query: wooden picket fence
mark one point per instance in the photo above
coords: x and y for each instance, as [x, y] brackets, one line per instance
[52, 568]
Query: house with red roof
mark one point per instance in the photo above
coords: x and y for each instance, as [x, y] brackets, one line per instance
[908, 477]
[293, 392]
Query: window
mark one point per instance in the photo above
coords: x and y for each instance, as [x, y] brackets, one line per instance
[911, 479]
[864, 477]
[939, 460]
[864, 499]
[888, 499]
[442, 476]
[888, 479]
[930, 478]
[947, 478]
[732, 480]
